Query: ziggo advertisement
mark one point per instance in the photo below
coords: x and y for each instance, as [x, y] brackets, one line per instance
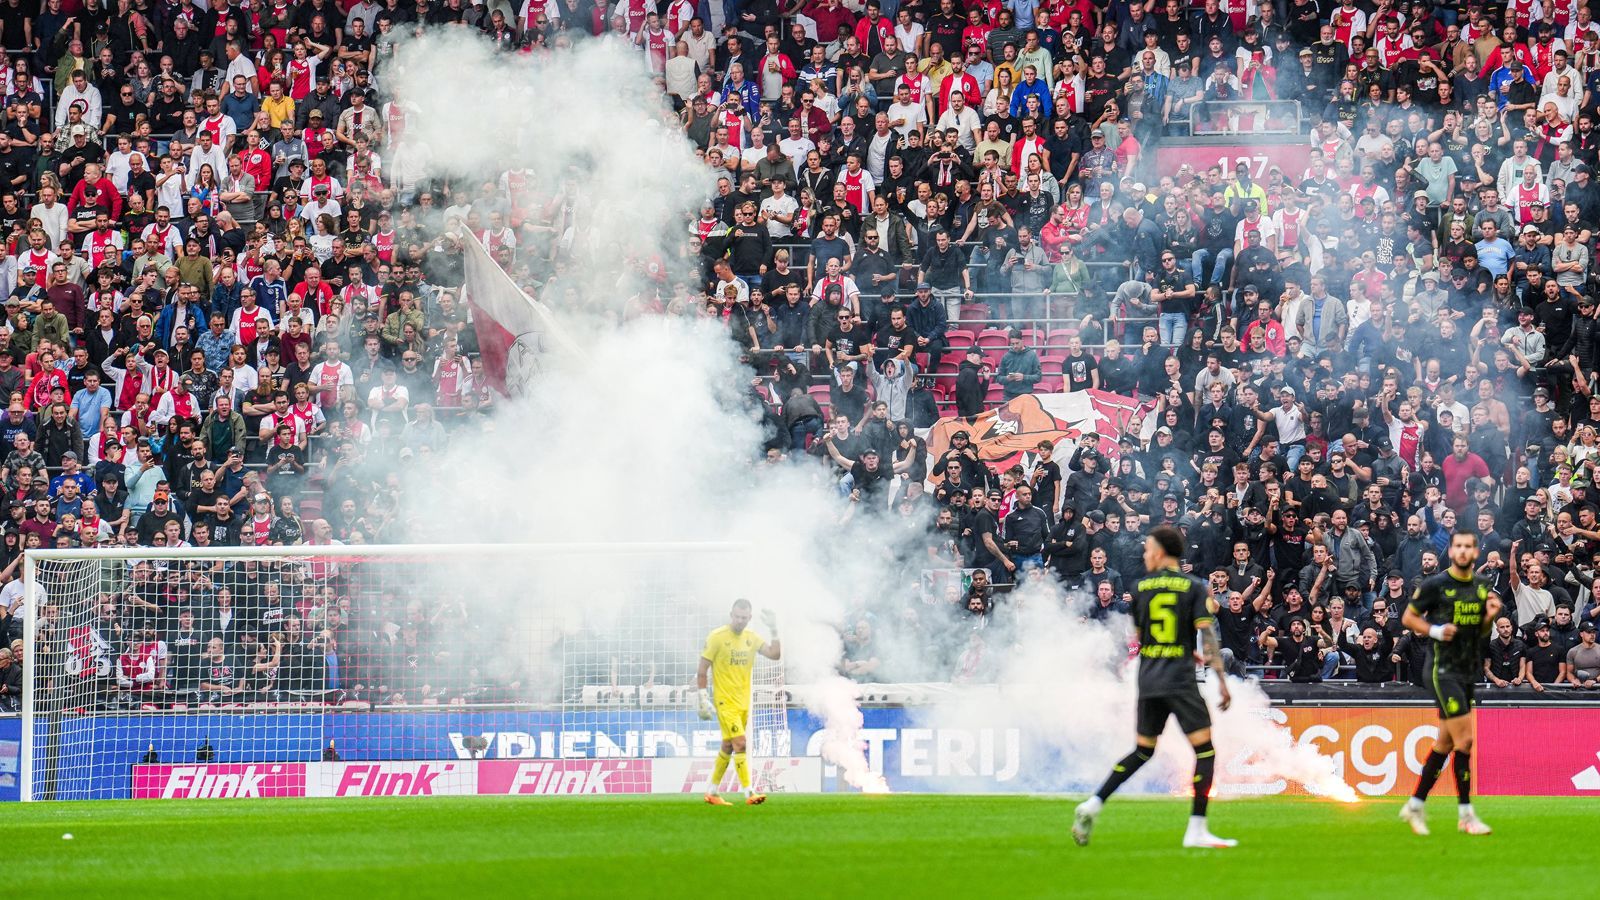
[1376, 750]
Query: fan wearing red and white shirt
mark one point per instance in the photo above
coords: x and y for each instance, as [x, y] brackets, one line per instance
[102, 245]
[356, 289]
[249, 321]
[179, 402]
[221, 127]
[679, 12]
[257, 530]
[281, 415]
[319, 177]
[1028, 145]
[655, 41]
[307, 410]
[550, 9]
[452, 377]
[35, 262]
[1395, 46]
[383, 239]
[163, 234]
[1523, 13]
[330, 377]
[858, 185]
[634, 13]
[1526, 194]
[303, 69]
[957, 81]
[1583, 37]
[1348, 21]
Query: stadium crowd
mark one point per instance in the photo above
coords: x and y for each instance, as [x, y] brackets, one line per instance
[233, 312]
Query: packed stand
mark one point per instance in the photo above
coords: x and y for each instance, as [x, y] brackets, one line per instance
[933, 209]
[233, 312]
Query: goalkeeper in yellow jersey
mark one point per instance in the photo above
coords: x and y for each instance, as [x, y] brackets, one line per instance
[729, 658]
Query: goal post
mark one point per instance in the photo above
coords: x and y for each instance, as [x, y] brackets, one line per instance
[382, 670]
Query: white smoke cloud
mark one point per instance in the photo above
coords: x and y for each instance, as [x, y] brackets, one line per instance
[645, 436]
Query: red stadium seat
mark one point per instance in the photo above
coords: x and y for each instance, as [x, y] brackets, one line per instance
[1058, 337]
[993, 337]
[1033, 337]
[975, 312]
[959, 338]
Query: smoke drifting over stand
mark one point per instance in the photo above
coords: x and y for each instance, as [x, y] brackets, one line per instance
[647, 434]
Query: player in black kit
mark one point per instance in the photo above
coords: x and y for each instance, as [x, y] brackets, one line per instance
[1169, 608]
[1455, 609]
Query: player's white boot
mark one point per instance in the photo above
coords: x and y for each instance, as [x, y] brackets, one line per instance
[1200, 836]
[1083, 820]
[1469, 823]
[1413, 814]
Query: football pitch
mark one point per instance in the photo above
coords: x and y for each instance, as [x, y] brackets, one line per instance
[794, 846]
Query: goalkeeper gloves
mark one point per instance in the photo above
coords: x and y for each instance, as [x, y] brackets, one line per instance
[705, 704]
[770, 619]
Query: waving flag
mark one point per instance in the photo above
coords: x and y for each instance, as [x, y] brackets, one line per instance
[517, 335]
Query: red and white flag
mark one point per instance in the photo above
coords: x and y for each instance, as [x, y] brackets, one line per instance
[516, 333]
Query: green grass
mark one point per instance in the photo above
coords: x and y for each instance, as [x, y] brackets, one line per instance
[811, 846]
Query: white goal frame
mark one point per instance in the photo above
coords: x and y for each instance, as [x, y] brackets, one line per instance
[32, 559]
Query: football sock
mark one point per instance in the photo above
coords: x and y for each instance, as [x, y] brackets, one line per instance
[1431, 767]
[1124, 770]
[1205, 770]
[1463, 768]
[742, 768]
[720, 770]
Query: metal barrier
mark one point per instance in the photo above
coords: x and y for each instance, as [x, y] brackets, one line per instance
[1245, 117]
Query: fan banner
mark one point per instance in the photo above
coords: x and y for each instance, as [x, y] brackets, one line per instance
[1009, 434]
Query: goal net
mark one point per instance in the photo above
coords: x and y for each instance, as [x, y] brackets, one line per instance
[381, 671]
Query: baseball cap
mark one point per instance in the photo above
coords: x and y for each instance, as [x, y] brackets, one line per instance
[960, 434]
[1530, 229]
[924, 286]
[1588, 627]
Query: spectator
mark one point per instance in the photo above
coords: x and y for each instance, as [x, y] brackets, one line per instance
[1019, 370]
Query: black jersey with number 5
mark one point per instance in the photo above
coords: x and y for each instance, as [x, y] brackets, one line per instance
[1168, 606]
[1444, 599]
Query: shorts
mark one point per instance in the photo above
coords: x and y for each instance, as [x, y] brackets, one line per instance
[1190, 708]
[1453, 693]
[733, 720]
